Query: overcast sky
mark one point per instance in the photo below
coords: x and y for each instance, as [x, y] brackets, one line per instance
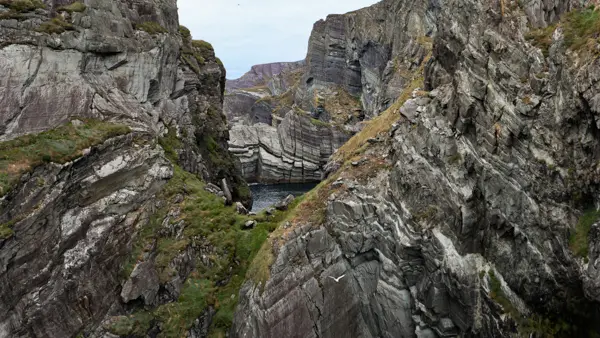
[258, 31]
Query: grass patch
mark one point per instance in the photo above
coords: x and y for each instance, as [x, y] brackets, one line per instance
[210, 224]
[75, 7]
[185, 32]
[319, 123]
[55, 26]
[23, 6]
[202, 45]
[581, 28]
[578, 242]
[59, 145]
[133, 325]
[151, 27]
[6, 231]
[534, 325]
[380, 124]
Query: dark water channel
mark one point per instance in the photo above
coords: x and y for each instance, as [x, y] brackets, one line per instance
[265, 195]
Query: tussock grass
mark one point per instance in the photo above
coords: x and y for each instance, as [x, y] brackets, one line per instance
[75, 7]
[151, 27]
[581, 28]
[59, 145]
[579, 241]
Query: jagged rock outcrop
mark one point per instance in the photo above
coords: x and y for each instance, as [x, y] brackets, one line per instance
[370, 53]
[68, 227]
[270, 75]
[357, 65]
[294, 151]
[463, 220]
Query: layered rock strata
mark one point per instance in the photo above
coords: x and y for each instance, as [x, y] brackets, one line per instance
[468, 218]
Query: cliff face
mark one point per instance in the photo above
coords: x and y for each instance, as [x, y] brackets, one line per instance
[469, 215]
[111, 86]
[271, 75]
[370, 53]
[357, 65]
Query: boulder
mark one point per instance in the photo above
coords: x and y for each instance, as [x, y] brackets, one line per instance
[143, 283]
[284, 203]
[240, 208]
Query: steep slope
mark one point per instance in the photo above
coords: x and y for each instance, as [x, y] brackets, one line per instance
[357, 65]
[468, 217]
[110, 117]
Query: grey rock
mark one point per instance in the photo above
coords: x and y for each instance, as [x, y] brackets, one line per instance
[476, 197]
[295, 151]
[226, 191]
[249, 224]
[143, 283]
[284, 203]
[240, 209]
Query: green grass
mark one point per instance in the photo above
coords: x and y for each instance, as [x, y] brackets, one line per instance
[25, 5]
[151, 27]
[202, 45]
[579, 242]
[59, 145]
[319, 123]
[581, 28]
[55, 26]
[185, 32]
[6, 231]
[134, 325]
[208, 223]
[75, 7]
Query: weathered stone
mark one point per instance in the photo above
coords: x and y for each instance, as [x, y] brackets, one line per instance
[284, 203]
[465, 229]
[249, 224]
[143, 283]
[240, 209]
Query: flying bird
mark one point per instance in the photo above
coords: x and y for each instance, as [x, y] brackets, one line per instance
[337, 279]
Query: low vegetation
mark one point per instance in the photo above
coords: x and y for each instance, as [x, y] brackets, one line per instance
[377, 126]
[185, 32]
[75, 7]
[579, 241]
[532, 326]
[210, 227]
[203, 46]
[59, 145]
[23, 6]
[581, 29]
[151, 27]
[55, 26]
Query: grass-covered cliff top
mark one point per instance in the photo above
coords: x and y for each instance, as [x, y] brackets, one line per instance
[59, 145]
[581, 29]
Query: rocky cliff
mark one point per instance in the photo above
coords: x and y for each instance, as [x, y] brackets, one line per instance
[273, 138]
[357, 65]
[467, 208]
[113, 135]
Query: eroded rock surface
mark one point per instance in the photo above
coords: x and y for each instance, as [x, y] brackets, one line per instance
[73, 225]
[459, 223]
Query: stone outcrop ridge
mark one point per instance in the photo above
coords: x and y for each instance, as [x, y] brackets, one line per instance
[370, 53]
[294, 151]
[262, 75]
[458, 224]
[73, 224]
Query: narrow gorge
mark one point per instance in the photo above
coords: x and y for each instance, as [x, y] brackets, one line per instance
[456, 142]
